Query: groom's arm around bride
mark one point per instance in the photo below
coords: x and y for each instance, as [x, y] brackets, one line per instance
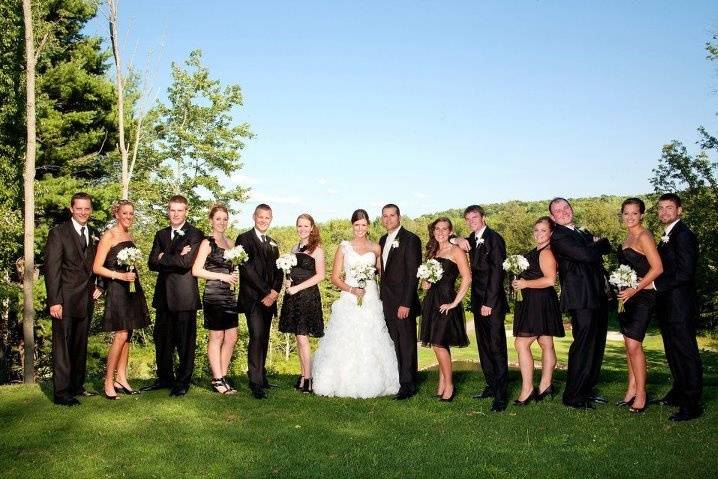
[401, 257]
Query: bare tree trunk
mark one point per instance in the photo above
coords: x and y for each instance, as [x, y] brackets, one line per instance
[120, 87]
[29, 184]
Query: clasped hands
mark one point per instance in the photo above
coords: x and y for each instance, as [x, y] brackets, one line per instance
[270, 298]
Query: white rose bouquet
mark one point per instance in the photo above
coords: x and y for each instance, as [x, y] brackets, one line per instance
[516, 264]
[430, 271]
[623, 277]
[236, 256]
[130, 257]
[362, 273]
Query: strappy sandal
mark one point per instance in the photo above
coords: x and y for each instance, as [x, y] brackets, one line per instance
[220, 387]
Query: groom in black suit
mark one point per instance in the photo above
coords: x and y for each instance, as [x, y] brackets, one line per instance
[71, 292]
[176, 298]
[400, 260]
[259, 284]
[676, 309]
[487, 251]
[584, 295]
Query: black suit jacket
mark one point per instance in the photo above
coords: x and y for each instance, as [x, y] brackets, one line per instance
[580, 268]
[677, 283]
[176, 288]
[259, 275]
[399, 284]
[68, 271]
[487, 271]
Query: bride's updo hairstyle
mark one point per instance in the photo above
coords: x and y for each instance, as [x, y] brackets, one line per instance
[432, 246]
[314, 239]
[360, 215]
[115, 209]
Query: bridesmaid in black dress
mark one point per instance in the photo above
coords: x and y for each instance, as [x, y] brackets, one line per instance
[219, 303]
[538, 316]
[640, 253]
[125, 311]
[442, 314]
[302, 304]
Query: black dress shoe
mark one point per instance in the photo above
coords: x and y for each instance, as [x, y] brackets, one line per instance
[580, 405]
[268, 385]
[597, 398]
[258, 392]
[156, 386]
[178, 391]
[686, 414]
[66, 401]
[664, 401]
[86, 393]
[498, 405]
[623, 402]
[485, 394]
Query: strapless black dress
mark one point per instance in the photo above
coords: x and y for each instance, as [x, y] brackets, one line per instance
[639, 310]
[302, 312]
[438, 329]
[219, 302]
[124, 311]
[539, 314]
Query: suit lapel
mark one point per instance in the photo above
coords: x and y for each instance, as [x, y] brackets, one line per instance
[75, 238]
[391, 246]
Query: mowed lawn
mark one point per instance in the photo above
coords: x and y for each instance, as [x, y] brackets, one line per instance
[294, 435]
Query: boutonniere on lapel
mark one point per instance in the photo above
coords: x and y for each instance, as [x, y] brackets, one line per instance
[665, 239]
[179, 232]
[273, 244]
[94, 239]
[479, 241]
[395, 244]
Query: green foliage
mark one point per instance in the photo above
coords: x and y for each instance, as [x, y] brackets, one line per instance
[197, 143]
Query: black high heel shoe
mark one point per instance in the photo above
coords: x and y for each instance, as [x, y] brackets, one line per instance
[450, 398]
[107, 396]
[299, 384]
[550, 390]
[119, 387]
[532, 395]
[623, 402]
[638, 410]
[307, 387]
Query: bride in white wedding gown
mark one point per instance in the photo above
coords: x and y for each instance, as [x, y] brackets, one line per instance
[356, 357]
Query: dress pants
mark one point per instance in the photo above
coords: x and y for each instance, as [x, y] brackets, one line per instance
[403, 333]
[585, 354]
[259, 322]
[175, 330]
[69, 350]
[493, 355]
[684, 360]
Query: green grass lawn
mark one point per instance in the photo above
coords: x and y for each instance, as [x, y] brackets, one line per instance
[295, 435]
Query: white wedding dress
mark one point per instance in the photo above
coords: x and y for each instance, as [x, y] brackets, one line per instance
[356, 357]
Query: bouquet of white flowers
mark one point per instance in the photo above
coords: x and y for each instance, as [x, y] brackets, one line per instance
[623, 277]
[237, 257]
[430, 271]
[130, 258]
[362, 273]
[516, 264]
[285, 263]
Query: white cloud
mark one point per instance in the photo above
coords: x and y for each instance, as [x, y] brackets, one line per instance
[265, 198]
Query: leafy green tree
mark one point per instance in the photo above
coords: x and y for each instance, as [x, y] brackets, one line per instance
[197, 143]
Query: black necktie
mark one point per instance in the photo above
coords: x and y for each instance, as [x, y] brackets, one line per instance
[84, 238]
[174, 234]
[264, 240]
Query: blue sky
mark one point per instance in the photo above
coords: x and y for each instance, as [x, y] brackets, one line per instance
[439, 104]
